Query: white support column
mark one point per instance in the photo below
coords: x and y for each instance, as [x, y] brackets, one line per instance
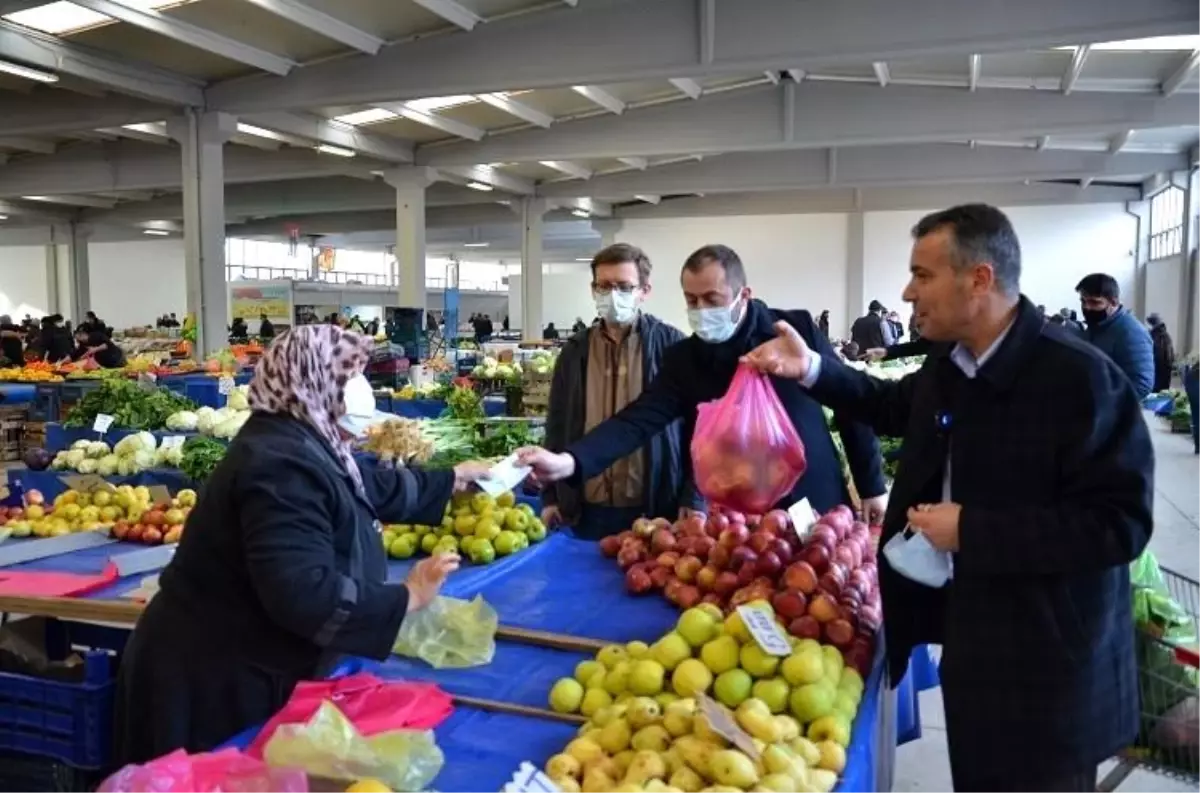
[532, 211]
[856, 287]
[53, 299]
[410, 183]
[81, 293]
[202, 138]
[1187, 268]
[608, 230]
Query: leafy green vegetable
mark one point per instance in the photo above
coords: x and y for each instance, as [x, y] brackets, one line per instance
[130, 405]
[200, 457]
[464, 403]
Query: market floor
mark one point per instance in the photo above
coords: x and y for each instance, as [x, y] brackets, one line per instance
[924, 766]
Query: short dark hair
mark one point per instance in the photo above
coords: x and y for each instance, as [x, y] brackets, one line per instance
[982, 233]
[620, 253]
[875, 306]
[731, 263]
[1099, 285]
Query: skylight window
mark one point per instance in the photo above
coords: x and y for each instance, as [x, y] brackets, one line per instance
[63, 17]
[432, 103]
[1156, 44]
[372, 116]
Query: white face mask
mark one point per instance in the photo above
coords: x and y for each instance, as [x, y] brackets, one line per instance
[617, 306]
[715, 325]
[911, 555]
[361, 414]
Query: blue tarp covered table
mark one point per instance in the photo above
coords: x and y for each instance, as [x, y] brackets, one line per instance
[429, 408]
[59, 437]
[50, 484]
[17, 394]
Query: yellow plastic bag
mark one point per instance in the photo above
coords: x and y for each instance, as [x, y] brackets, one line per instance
[450, 633]
[328, 745]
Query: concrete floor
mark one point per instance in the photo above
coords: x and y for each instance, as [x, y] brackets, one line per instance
[924, 766]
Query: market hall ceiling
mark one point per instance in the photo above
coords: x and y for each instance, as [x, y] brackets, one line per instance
[596, 106]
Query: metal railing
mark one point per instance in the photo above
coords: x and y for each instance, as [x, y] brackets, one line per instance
[249, 272]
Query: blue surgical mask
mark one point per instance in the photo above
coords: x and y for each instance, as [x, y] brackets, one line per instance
[911, 555]
[616, 306]
[715, 325]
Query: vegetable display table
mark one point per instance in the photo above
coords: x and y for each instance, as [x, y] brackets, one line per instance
[562, 585]
[50, 483]
[59, 437]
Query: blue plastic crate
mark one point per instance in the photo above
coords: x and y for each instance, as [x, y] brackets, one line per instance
[70, 722]
[47, 402]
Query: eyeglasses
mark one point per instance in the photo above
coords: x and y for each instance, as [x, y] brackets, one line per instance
[608, 289]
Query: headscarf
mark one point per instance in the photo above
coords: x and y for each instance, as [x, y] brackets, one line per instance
[303, 374]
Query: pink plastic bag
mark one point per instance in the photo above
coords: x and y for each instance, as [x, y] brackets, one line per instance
[226, 771]
[746, 455]
[372, 704]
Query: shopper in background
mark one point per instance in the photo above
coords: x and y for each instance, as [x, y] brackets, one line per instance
[1164, 353]
[239, 331]
[91, 323]
[897, 326]
[727, 323]
[550, 333]
[98, 347]
[11, 338]
[280, 569]
[580, 326]
[599, 371]
[1191, 387]
[1026, 457]
[266, 328]
[823, 323]
[1113, 329]
[868, 331]
[56, 344]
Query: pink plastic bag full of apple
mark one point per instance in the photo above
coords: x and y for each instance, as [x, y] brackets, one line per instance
[746, 455]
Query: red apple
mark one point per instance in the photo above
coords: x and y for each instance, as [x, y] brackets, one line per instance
[663, 540]
[782, 549]
[817, 555]
[824, 534]
[760, 541]
[643, 527]
[610, 547]
[667, 559]
[844, 554]
[628, 557]
[135, 532]
[743, 596]
[671, 590]
[747, 573]
[120, 529]
[706, 577]
[715, 599]
[768, 564]
[626, 535]
[659, 576]
[840, 517]
[776, 521]
[704, 546]
[735, 517]
[687, 596]
[805, 628]
[740, 555]
[152, 536]
[789, 604]
[719, 556]
[850, 597]
[800, 576]
[734, 536]
[830, 583]
[725, 584]
[869, 618]
[717, 523]
[823, 608]
[637, 580]
[839, 633]
[687, 567]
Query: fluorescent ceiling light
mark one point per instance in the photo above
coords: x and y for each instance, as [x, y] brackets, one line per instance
[156, 232]
[63, 17]
[17, 70]
[480, 186]
[476, 244]
[581, 213]
[372, 116]
[1156, 44]
[3, 217]
[35, 198]
[259, 132]
[441, 102]
[583, 260]
[338, 151]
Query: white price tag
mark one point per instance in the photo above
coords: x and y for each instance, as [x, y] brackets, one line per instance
[173, 441]
[724, 724]
[102, 423]
[505, 475]
[528, 779]
[804, 517]
[225, 385]
[765, 630]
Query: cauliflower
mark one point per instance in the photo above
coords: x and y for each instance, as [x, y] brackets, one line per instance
[60, 462]
[183, 421]
[75, 457]
[86, 466]
[97, 449]
[132, 444]
[490, 363]
[142, 459]
[238, 398]
[205, 420]
[169, 456]
[125, 466]
[107, 466]
[82, 444]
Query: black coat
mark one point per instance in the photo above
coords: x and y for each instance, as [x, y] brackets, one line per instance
[867, 333]
[694, 371]
[280, 570]
[1053, 467]
[667, 487]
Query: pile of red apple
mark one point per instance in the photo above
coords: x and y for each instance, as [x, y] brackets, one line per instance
[823, 587]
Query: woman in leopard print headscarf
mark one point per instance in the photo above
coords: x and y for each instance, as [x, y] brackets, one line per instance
[280, 568]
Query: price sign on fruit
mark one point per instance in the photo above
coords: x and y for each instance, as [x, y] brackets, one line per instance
[765, 630]
[803, 516]
[528, 779]
[102, 423]
[725, 725]
[225, 385]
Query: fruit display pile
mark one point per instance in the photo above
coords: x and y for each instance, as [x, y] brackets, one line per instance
[98, 510]
[650, 728]
[823, 587]
[30, 374]
[479, 527]
[156, 524]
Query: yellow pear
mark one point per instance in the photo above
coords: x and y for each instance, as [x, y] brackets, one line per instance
[686, 780]
[702, 729]
[789, 728]
[696, 753]
[674, 760]
[731, 767]
[584, 750]
[758, 721]
[654, 738]
[806, 749]
[821, 780]
[615, 736]
[605, 764]
[677, 718]
[596, 781]
[642, 712]
[779, 783]
[567, 784]
[594, 700]
[646, 765]
[563, 765]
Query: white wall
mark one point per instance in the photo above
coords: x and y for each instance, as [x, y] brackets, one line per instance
[134, 283]
[23, 281]
[1162, 294]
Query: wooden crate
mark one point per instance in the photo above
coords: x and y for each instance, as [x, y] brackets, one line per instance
[12, 433]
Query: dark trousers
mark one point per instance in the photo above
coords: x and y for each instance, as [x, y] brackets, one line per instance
[1191, 386]
[597, 522]
[1080, 782]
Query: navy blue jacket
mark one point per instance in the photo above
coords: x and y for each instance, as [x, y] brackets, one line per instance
[1124, 339]
[1054, 470]
[694, 371]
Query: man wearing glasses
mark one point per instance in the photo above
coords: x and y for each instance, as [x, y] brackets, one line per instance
[600, 370]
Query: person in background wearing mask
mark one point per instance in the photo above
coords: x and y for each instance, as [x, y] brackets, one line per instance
[1115, 331]
[727, 323]
[599, 371]
[1164, 353]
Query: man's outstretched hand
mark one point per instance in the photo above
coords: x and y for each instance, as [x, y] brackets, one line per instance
[547, 466]
[787, 355]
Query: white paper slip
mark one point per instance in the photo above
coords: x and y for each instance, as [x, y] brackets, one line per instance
[765, 630]
[173, 441]
[225, 385]
[803, 516]
[528, 779]
[504, 476]
[102, 423]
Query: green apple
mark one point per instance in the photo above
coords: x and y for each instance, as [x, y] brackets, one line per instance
[516, 520]
[429, 542]
[536, 532]
[812, 701]
[732, 688]
[773, 691]
[505, 543]
[403, 547]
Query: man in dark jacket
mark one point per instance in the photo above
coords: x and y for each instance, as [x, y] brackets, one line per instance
[599, 371]
[727, 324]
[868, 331]
[1164, 353]
[1115, 331]
[1027, 460]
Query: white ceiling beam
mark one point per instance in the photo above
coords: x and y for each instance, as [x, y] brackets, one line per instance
[122, 75]
[1075, 68]
[1181, 74]
[772, 75]
[687, 86]
[452, 12]
[583, 207]
[1085, 182]
[486, 174]
[429, 119]
[147, 132]
[600, 97]
[797, 75]
[648, 199]
[28, 144]
[822, 115]
[73, 200]
[975, 67]
[659, 40]
[255, 141]
[1118, 141]
[568, 168]
[640, 163]
[192, 35]
[334, 133]
[864, 166]
[323, 24]
[883, 75]
[1042, 142]
[52, 113]
[518, 109]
